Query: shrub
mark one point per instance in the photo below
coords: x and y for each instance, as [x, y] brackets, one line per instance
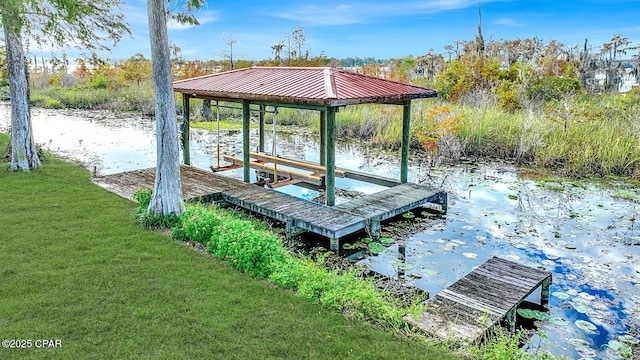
[197, 223]
[246, 248]
[344, 292]
[100, 82]
[552, 88]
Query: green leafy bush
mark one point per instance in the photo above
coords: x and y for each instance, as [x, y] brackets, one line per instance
[246, 248]
[553, 88]
[100, 82]
[344, 292]
[197, 223]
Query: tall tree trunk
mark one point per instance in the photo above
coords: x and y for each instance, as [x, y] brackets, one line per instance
[23, 148]
[167, 190]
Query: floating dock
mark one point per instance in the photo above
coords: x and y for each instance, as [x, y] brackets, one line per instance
[471, 306]
[298, 214]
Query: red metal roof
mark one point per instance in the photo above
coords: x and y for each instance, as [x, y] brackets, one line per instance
[300, 85]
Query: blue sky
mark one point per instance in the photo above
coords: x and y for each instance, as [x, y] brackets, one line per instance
[382, 29]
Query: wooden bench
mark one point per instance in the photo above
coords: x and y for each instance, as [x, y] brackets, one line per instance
[314, 178]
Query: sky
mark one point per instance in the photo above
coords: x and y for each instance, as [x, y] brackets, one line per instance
[379, 28]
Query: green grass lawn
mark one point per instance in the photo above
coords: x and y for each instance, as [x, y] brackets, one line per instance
[76, 267]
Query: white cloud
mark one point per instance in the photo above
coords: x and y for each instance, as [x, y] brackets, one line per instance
[507, 22]
[363, 12]
[324, 15]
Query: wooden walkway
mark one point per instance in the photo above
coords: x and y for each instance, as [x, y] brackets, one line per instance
[298, 214]
[466, 310]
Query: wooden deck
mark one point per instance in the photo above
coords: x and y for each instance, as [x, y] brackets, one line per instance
[197, 184]
[392, 202]
[298, 214]
[474, 304]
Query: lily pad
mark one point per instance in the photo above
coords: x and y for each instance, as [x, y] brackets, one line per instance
[583, 309]
[348, 246]
[578, 342]
[629, 339]
[560, 321]
[513, 197]
[560, 295]
[428, 272]
[386, 240]
[376, 248]
[532, 314]
[367, 240]
[586, 326]
[408, 215]
[405, 266]
[620, 348]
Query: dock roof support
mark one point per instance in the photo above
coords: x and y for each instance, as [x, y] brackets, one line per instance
[330, 151]
[246, 139]
[323, 137]
[186, 152]
[261, 129]
[406, 139]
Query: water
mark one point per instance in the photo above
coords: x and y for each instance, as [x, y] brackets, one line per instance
[587, 236]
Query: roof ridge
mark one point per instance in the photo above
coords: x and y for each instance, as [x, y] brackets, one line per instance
[330, 84]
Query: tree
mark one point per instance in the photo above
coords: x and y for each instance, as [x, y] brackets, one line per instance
[24, 155]
[298, 39]
[85, 23]
[277, 49]
[166, 198]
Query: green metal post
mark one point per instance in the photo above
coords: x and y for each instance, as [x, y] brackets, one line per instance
[261, 129]
[331, 157]
[246, 128]
[186, 153]
[406, 138]
[323, 137]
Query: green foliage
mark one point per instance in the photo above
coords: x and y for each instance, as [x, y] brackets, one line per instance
[246, 248]
[470, 73]
[85, 23]
[147, 218]
[501, 345]
[553, 88]
[508, 96]
[100, 82]
[197, 223]
[53, 104]
[345, 292]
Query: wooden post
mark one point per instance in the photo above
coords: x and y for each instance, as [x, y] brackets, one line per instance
[330, 195]
[374, 228]
[261, 129]
[246, 138]
[186, 153]
[334, 245]
[544, 291]
[406, 138]
[402, 257]
[323, 137]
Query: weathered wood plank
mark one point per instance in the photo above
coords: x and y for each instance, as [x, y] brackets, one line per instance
[333, 222]
[481, 299]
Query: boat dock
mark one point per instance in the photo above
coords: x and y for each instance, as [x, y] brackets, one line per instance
[298, 214]
[471, 306]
